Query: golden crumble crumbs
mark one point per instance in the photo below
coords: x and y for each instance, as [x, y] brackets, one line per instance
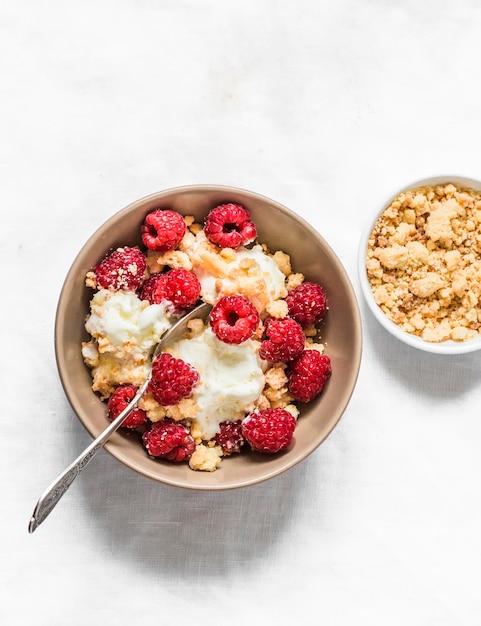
[205, 458]
[424, 262]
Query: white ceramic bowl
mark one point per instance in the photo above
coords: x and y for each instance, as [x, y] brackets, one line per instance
[445, 347]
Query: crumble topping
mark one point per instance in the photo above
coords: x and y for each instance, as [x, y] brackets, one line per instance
[424, 262]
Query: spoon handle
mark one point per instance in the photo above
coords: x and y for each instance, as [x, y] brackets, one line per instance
[60, 485]
[51, 496]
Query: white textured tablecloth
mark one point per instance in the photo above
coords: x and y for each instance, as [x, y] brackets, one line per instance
[327, 107]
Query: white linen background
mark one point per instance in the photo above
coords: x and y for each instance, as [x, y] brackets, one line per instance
[327, 107]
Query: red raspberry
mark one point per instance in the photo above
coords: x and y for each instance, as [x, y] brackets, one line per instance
[234, 319]
[169, 440]
[308, 374]
[269, 430]
[120, 398]
[162, 230]
[307, 303]
[285, 340]
[122, 269]
[229, 437]
[172, 379]
[230, 226]
[148, 290]
[178, 286]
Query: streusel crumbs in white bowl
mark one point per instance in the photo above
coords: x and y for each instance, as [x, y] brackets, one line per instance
[420, 265]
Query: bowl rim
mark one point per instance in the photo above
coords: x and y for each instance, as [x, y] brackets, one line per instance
[111, 446]
[447, 347]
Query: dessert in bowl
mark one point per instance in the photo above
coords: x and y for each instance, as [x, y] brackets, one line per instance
[420, 265]
[215, 391]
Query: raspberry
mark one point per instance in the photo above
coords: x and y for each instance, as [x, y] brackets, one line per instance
[269, 430]
[122, 269]
[169, 440]
[172, 379]
[307, 303]
[229, 226]
[234, 319]
[229, 437]
[148, 290]
[178, 286]
[120, 398]
[308, 374]
[285, 340]
[162, 230]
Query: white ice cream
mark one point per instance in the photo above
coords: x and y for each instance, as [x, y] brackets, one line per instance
[124, 331]
[272, 276]
[231, 378]
[121, 319]
[247, 271]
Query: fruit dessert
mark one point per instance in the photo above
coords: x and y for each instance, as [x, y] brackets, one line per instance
[235, 381]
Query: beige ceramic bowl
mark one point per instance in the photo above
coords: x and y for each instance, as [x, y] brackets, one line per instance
[280, 229]
[445, 347]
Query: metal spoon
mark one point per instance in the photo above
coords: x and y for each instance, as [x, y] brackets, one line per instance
[60, 485]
